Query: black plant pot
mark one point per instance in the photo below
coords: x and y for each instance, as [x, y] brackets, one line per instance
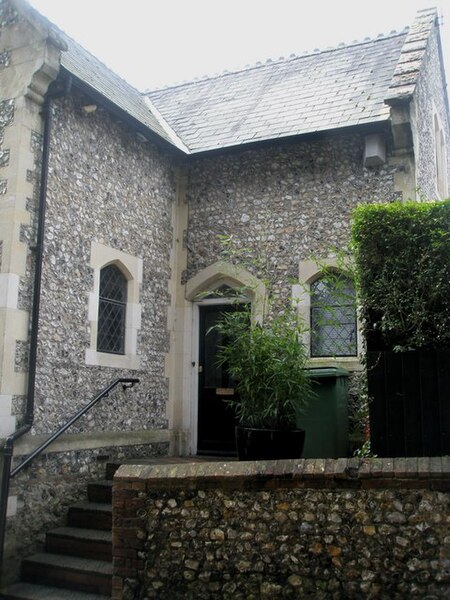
[269, 444]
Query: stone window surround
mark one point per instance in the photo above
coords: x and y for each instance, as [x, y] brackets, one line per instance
[309, 271]
[440, 157]
[131, 267]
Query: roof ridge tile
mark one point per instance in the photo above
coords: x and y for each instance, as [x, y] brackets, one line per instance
[276, 61]
[406, 73]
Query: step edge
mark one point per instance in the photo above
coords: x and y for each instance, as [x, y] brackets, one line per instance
[68, 532]
[26, 587]
[97, 507]
[39, 559]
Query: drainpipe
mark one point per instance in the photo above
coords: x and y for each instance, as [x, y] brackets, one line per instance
[34, 331]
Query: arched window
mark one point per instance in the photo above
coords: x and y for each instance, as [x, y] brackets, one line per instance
[111, 311]
[333, 317]
[114, 310]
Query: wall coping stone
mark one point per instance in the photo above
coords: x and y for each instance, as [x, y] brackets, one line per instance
[172, 529]
[410, 472]
[91, 440]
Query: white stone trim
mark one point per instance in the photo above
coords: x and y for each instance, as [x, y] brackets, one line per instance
[13, 328]
[132, 268]
[440, 157]
[182, 363]
[69, 442]
[308, 272]
[179, 323]
[115, 361]
[11, 509]
[7, 420]
[223, 273]
[9, 290]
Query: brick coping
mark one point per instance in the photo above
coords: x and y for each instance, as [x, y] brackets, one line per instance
[424, 472]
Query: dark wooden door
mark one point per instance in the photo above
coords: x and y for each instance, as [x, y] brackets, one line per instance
[215, 417]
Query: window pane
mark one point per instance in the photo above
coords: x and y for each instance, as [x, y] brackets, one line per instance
[111, 327]
[333, 317]
[111, 311]
[112, 284]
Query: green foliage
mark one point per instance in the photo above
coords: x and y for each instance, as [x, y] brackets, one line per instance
[402, 260]
[267, 361]
[365, 451]
[358, 407]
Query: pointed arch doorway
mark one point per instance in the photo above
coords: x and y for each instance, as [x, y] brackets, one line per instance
[214, 291]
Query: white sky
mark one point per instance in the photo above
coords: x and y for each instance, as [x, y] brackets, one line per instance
[159, 42]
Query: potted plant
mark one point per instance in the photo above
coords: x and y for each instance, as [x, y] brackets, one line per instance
[267, 362]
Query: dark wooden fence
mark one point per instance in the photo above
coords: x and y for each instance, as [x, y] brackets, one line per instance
[409, 403]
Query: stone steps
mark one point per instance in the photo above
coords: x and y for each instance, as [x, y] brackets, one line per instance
[100, 491]
[31, 591]
[77, 562]
[79, 541]
[73, 572]
[95, 515]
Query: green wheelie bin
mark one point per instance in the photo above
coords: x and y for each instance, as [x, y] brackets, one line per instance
[325, 419]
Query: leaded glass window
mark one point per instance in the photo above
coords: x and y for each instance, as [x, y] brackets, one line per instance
[333, 317]
[111, 311]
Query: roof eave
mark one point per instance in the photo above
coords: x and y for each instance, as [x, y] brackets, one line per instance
[362, 129]
[147, 132]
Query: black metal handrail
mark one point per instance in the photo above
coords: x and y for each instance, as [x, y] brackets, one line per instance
[126, 383]
[8, 451]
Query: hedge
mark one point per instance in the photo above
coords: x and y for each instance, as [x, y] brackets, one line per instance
[402, 260]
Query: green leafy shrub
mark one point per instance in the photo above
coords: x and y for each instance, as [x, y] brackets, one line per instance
[268, 363]
[402, 261]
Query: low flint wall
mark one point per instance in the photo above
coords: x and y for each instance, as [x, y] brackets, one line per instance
[346, 528]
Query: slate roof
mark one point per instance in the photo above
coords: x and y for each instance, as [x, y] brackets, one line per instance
[95, 74]
[80, 63]
[341, 87]
[311, 93]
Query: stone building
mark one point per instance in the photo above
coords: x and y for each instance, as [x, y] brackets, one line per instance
[114, 205]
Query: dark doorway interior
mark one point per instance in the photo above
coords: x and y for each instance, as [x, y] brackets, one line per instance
[215, 417]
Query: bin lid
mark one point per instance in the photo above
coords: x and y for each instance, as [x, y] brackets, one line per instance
[322, 372]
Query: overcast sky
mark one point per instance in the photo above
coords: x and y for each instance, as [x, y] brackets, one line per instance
[152, 43]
